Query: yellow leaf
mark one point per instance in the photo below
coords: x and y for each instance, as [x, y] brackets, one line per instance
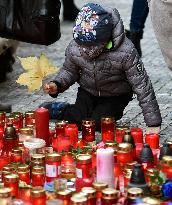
[36, 69]
[29, 63]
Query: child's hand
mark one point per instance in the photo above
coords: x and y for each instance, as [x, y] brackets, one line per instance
[50, 88]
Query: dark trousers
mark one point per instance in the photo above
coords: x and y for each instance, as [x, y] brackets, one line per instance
[139, 14]
[89, 106]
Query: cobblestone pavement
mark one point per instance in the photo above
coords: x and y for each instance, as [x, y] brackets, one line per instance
[160, 76]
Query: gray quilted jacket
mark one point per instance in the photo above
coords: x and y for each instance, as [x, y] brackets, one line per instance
[114, 72]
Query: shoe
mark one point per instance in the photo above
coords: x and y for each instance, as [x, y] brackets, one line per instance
[56, 109]
[5, 108]
[135, 37]
[70, 11]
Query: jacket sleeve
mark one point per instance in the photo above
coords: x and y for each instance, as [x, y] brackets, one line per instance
[142, 87]
[68, 74]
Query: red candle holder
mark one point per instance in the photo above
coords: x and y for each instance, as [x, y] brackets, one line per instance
[24, 173]
[61, 143]
[60, 127]
[38, 196]
[108, 129]
[80, 143]
[2, 116]
[16, 156]
[12, 181]
[19, 117]
[166, 166]
[53, 164]
[38, 176]
[65, 196]
[137, 134]
[71, 130]
[119, 134]
[37, 159]
[29, 118]
[88, 130]
[91, 194]
[152, 140]
[99, 188]
[2, 127]
[125, 153]
[24, 194]
[109, 196]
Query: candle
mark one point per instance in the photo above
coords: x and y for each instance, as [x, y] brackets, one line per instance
[167, 166]
[16, 156]
[124, 154]
[71, 130]
[152, 140]
[42, 124]
[2, 116]
[91, 195]
[88, 130]
[105, 166]
[64, 195]
[5, 196]
[24, 194]
[109, 196]
[137, 134]
[79, 200]
[38, 196]
[29, 118]
[24, 173]
[108, 129]
[12, 181]
[38, 176]
[53, 166]
[99, 188]
[60, 127]
[2, 125]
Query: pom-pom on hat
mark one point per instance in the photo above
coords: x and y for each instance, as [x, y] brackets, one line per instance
[93, 25]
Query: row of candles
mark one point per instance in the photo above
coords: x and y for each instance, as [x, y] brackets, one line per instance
[110, 163]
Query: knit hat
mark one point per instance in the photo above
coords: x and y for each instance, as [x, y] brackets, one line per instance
[93, 25]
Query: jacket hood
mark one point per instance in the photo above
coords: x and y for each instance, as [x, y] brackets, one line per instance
[118, 34]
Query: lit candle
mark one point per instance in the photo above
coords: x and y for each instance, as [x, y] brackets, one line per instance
[29, 118]
[5, 196]
[38, 176]
[12, 181]
[38, 196]
[137, 134]
[152, 140]
[16, 156]
[105, 166]
[2, 124]
[42, 124]
[24, 194]
[107, 129]
[71, 130]
[88, 130]
[24, 173]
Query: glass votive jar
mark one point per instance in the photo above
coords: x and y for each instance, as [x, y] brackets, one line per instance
[91, 195]
[25, 134]
[38, 176]
[109, 196]
[16, 155]
[68, 171]
[83, 166]
[60, 184]
[60, 127]
[38, 196]
[119, 134]
[12, 181]
[99, 188]
[71, 130]
[88, 130]
[2, 129]
[5, 196]
[124, 153]
[150, 173]
[2, 116]
[37, 159]
[29, 118]
[133, 194]
[78, 200]
[65, 196]
[152, 140]
[137, 134]
[7, 170]
[151, 201]
[19, 115]
[53, 166]
[24, 193]
[108, 128]
[166, 166]
[23, 172]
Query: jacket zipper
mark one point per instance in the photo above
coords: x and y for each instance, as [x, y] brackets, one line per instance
[95, 78]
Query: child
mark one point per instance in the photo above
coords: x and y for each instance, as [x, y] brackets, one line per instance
[108, 70]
